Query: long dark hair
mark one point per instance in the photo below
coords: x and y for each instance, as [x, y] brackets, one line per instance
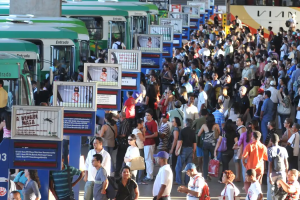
[228, 128]
[236, 107]
[249, 134]
[34, 176]
[178, 122]
[109, 118]
[210, 121]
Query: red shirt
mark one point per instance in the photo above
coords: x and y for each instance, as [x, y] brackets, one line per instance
[130, 107]
[271, 35]
[151, 126]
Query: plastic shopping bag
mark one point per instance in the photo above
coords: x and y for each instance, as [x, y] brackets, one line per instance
[213, 168]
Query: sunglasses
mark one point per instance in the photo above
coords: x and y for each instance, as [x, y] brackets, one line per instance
[130, 139]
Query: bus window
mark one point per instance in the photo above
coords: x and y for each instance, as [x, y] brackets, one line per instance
[118, 30]
[62, 57]
[139, 25]
[39, 45]
[33, 69]
[94, 26]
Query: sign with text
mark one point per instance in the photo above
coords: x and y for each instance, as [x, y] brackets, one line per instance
[166, 31]
[79, 123]
[174, 8]
[131, 81]
[151, 60]
[201, 3]
[129, 59]
[75, 95]
[148, 43]
[184, 16]
[35, 154]
[37, 123]
[108, 99]
[176, 23]
[105, 75]
[194, 11]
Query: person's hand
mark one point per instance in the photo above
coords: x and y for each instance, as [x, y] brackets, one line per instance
[182, 189]
[144, 129]
[171, 151]
[103, 191]
[176, 153]
[215, 154]
[270, 181]
[85, 178]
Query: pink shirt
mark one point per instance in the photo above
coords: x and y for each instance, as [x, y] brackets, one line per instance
[243, 140]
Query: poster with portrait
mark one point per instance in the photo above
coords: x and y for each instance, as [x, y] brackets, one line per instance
[149, 43]
[105, 75]
[176, 23]
[74, 95]
[204, 5]
[174, 7]
[166, 31]
[184, 16]
[220, 10]
[129, 59]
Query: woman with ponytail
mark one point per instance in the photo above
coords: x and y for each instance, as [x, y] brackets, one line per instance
[131, 153]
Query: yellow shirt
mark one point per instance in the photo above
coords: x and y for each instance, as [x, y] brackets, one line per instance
[253, 93]
[3, 97]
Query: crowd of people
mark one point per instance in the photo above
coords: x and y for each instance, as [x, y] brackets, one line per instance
[222, 96]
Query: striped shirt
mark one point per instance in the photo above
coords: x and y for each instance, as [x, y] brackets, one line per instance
[61, 183]
[163, 142]
[219, 118]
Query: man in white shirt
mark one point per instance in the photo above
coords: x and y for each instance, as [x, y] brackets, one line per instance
[275, 97]
[284, 48]
[254, 191]
[189, 110]
[238, 22]
[196, 183]
[91, 171]
[294, 143]
[164, 180]
[202, 97]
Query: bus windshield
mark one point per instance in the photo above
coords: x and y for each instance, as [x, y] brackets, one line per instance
[94, 26]
[33, 68]
[118, 32]
[62, 57]
[139, 25]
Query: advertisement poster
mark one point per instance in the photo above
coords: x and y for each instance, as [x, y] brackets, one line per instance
[165, 31]
[28, 122]
[176, 23]
[204, 5]
[174, 8]
[220, 10]
[129, 59]
[105, 75]
[148, 43]
[74, 95]
[194, 11]
[184, 16]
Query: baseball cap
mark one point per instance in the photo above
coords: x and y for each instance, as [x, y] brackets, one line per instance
[260, 91]
[178, 104]
[161, 154]
[165, 116]
[273, 83]
[189, 166]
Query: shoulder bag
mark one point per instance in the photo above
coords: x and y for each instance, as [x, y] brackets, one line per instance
[226, 197]
[137, 163]
[223, 145]
[283, 110]
[116, 141]
[70, 184]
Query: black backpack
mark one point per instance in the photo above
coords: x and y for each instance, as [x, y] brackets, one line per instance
[119, 45]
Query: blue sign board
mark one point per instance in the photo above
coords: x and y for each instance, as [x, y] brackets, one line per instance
[167, 49]
[151, 61]
[131, 81]
[80, 123]
[35, 155]
[186, 33]
[108, 99]
[177, 40]
[194, 23]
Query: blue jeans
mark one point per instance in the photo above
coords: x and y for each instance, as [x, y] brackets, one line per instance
[185, 157]
[298, 121]
[66, 151]
[243, 170]
[264, 128]
[110, 150]
[88, 190]
[207, 148]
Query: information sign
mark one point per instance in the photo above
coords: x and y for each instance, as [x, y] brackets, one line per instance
[129, 59]
[79, 123]
[184, 16]
[131, 81]
[108, 99]
[176, 23]
[166, 31]
[194, 11]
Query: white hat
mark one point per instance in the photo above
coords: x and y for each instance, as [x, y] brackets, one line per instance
[275, 62]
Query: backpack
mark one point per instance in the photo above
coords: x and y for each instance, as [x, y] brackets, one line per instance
[278, 163]
[205, 190]
[119, 45]
[112, 188]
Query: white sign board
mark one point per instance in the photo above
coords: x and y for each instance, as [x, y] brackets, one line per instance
[37, 123]
[128, 81]
[166, 31]
[106, 99]
[129, 59]
[204, 4]
[184, 16]
[176, 23]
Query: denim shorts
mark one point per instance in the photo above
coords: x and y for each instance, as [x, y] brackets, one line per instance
[199, 152]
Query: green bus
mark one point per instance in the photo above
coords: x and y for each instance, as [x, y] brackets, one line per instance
[26, 50]
[57, 46]
[17, 81]
[104, 25]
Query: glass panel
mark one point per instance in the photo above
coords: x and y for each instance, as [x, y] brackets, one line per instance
[118, 31]
[62, 58]
[32, 66]
[30, 90]
[139, 25]
[11, 86]
[84, 50]
[23, 93]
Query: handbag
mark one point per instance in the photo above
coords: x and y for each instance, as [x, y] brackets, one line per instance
[223, 145]
[137, 163]
[226, 197]
[213, 168]
[283, 110]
